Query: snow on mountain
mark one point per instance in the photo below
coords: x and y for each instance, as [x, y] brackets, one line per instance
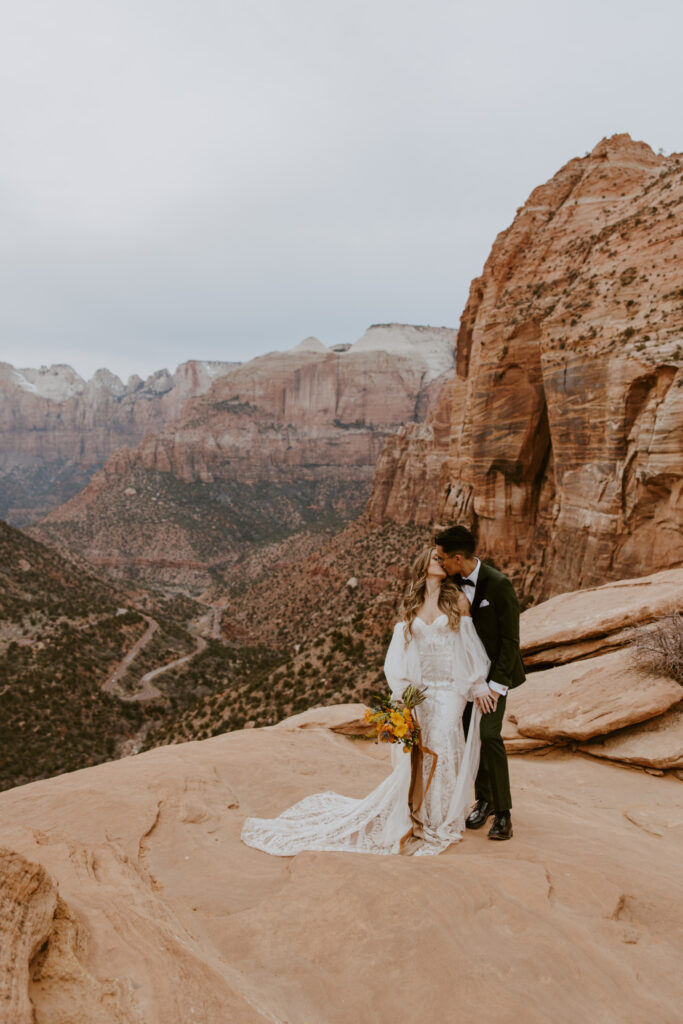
[433, 346]
[309, 344]
[58, 382]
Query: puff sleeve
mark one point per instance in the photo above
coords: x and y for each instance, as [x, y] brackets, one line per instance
[402, 663]
[477, 660]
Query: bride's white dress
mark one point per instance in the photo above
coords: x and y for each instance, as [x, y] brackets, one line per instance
[452, 665]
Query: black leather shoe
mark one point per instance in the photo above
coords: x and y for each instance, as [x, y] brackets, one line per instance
[479, 813]
[502, 826]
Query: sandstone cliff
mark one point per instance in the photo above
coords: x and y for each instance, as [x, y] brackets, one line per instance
[286, 440]
[560, 440]
[56, 429]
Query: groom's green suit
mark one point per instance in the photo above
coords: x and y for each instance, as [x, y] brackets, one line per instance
[495, 615]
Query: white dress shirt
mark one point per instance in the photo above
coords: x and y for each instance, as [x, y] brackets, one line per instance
[473, 577]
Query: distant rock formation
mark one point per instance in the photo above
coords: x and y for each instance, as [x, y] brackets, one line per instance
[56, 429]
[560, 440]
[286, 440]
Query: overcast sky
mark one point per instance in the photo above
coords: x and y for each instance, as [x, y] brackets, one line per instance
[216, 179]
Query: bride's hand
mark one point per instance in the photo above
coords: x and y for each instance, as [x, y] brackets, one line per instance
[487, 703]
[463, 604]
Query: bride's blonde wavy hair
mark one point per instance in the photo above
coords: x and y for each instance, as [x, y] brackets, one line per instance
[416, 591]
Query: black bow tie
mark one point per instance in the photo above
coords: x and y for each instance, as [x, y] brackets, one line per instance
[464, 583]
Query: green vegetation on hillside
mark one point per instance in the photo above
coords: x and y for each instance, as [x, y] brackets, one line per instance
[54, 717]
[305, 635]
[63, 632]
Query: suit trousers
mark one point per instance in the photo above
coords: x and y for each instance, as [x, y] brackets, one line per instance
[493, 779]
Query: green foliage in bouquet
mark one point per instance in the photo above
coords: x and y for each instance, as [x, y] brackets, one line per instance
[394, 720]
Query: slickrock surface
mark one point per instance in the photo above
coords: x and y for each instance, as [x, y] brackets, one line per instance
[577, 624]
[590, 698]
[28, 901]
[56, 429]
[560, 439]
[286, 440]
[654, 744]
[346, 719]
[165, 917]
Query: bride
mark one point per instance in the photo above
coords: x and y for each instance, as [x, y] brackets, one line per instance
[420, 807]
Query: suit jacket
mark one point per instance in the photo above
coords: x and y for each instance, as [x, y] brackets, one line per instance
[497, 625]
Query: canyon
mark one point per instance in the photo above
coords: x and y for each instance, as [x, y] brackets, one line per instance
[551, 422]
[284, 443]
[57, 429]
[292, 491]
[260, 519]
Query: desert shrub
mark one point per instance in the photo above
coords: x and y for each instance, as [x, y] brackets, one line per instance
[661, 648]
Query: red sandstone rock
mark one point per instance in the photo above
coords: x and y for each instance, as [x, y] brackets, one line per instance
[56, 428]
[287, 438]
[28, 900]
[560, 440]
[590, 698]
[172, 918]
[570, 626]
[657, 743]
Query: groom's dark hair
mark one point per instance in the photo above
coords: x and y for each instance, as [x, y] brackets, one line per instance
[456, 539]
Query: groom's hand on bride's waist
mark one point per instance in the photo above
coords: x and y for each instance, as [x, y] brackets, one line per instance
[487, 703]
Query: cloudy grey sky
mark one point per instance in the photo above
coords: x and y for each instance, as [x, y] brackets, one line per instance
[216, 179]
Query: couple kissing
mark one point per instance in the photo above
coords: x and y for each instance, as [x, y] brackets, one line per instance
[457, 646]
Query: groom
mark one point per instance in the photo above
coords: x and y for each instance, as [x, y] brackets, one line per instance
[495, 615]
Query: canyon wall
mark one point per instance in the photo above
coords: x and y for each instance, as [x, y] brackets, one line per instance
[560, 439]
[286, 441]
[56, 428]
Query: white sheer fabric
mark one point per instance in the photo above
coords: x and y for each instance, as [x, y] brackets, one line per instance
[453, 667]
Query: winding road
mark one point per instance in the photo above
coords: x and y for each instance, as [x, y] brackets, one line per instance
[148, 691]
[124, 664]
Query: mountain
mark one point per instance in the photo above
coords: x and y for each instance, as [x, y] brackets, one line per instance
[559, 441]
[286, 442]
[56, 429]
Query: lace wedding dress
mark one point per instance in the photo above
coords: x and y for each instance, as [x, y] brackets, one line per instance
[452, 665]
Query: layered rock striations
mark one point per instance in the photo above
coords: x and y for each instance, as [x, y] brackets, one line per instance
[309, 408]
[56, 429]
[286, 440]
[560, 440]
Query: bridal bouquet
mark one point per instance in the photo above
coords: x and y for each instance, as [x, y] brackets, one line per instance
[394, 720]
